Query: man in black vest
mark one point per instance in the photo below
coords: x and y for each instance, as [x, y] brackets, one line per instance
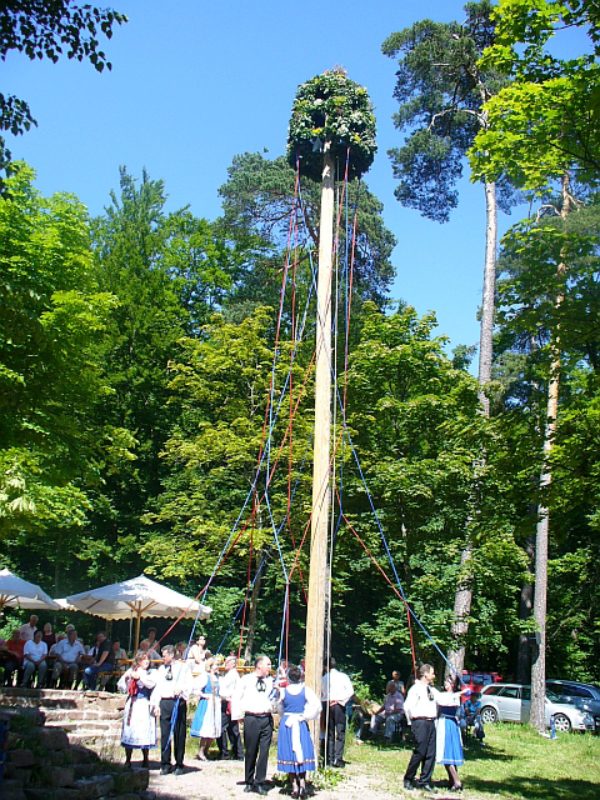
[252, 699]
[169, 702]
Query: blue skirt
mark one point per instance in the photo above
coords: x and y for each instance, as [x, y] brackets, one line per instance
[449, 749]
[286, 758]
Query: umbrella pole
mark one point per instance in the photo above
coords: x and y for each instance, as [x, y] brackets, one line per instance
[138, 622]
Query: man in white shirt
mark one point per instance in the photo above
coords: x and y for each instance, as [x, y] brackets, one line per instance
[68, 654]
[26, 631]
[172, 690]
[230, 728]
[34, 658]
[252, 700]
[336, 692]
[421, 711]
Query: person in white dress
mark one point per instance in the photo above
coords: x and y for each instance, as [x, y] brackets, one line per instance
[139, 723]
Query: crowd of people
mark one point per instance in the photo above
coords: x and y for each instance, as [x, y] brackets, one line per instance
[59, 660]
[160, 683]
[226, 700]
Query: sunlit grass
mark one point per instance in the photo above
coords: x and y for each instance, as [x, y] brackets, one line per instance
[516, 763]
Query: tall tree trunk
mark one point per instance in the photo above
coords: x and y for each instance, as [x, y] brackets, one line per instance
[525, 607]
[464, 589]
[538, 667]
[488, 303]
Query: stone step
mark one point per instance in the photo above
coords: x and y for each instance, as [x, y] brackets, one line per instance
[76, 714]
[88, 725]
[62, 699]
[86, 735]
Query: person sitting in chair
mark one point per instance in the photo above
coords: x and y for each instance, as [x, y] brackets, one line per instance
[103, 661]
[12, 656]
[472, 716]
[34, 660]
[391, 713]
[68, 654]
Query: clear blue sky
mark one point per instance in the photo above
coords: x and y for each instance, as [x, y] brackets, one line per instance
[195, 83]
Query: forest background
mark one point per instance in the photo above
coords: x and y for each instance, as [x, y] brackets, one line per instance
[136, 355]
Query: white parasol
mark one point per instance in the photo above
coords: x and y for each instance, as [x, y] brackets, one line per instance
[17, 593]
[136, 598]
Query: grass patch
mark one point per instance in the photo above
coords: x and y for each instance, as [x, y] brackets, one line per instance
[516, 763]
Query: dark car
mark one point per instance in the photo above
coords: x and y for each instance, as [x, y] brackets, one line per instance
[583, 695]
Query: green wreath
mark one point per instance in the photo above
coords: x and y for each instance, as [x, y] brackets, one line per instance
[331, 107]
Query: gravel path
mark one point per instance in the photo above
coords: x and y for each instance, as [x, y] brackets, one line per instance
[224, 780]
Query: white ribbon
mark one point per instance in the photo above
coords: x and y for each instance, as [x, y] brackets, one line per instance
[293, 721]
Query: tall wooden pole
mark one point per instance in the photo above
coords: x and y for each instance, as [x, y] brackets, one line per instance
[321, 500]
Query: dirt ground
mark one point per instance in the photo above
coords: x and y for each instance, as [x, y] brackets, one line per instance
[225, 780]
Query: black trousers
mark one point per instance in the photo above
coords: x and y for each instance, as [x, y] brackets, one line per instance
[167, 704]
[258, 732]
[336, 733]
[230, 734]
[424, 752]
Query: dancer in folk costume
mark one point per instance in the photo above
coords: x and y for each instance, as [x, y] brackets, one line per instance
[295, 749]
[449, 748]
[139, 724]
[169, 704]
[206, 724]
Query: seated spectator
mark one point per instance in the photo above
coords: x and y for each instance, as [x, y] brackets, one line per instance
[391, 712]
[11, 656]
[152, 654]
[180, 650]
[34, 660]
[59, 638]
[48, 636]
[120, 656]
[471, 716]
[152, 642]
[68, 654]
[399, 683]
[196, 657]
[71, 627]
[103, 661]
[26, 631]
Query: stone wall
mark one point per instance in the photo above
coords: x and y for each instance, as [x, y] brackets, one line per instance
[41, 764]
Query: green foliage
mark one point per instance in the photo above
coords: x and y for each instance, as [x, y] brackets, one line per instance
[547, 121]
[528, 318]
[168, 271]
[414, 419]
[46, 29]
[52, 316]
[441, 91]
[332, 108]
[258, 203]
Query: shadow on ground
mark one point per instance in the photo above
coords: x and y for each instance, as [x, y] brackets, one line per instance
[537, 788]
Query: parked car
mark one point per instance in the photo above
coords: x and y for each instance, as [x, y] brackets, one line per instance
[511, 702]
[585, 696]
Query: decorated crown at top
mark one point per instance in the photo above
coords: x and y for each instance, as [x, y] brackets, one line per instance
[331, 107]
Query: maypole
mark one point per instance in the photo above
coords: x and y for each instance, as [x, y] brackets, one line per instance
[332, 116]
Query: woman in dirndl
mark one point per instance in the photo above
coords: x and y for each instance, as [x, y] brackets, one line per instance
[206, 724]
[449, 748]
[139, 724]
[295, 749]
